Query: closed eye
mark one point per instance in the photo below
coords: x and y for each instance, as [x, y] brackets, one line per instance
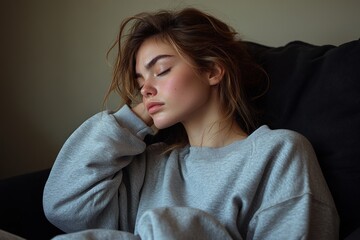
[140, 85]
[163, 72]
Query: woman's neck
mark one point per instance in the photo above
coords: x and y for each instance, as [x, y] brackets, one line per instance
[215, 134]
[210, 128]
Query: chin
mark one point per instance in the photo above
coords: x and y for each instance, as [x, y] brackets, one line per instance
[161, 124]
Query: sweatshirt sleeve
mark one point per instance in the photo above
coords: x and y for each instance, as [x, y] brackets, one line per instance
[295, 200]
[88, 186]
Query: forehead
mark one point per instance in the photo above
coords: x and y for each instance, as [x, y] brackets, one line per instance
[152, 48]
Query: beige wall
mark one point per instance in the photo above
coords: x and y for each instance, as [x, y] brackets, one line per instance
[54, 73]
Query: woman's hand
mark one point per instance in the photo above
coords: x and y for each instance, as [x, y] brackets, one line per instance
[141, 112]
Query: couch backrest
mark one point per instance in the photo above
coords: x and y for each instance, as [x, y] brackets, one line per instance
[315, 90]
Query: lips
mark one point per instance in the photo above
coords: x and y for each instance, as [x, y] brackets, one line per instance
[154, 107]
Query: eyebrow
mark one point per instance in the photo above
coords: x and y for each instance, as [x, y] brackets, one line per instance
[155, 59]
[153, 62]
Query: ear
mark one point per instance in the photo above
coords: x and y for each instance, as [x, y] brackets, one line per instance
[216, 74]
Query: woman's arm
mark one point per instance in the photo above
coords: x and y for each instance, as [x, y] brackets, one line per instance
[295, 202]
[88, 185]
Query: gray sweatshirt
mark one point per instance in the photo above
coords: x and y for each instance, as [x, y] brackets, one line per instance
[106, 183]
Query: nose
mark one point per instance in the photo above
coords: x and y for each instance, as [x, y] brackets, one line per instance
[148, 90]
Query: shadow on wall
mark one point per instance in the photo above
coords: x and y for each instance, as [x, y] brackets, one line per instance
[23, 148]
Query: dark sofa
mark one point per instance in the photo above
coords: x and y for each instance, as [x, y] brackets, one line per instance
[314, 90]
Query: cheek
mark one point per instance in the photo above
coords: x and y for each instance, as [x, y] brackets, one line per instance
[184, 87]
[189, 95]
[173, 89]
[182, 101]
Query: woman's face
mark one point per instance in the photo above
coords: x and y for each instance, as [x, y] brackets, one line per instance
[172, 90]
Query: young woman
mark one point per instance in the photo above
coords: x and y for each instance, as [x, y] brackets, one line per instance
[209, 172]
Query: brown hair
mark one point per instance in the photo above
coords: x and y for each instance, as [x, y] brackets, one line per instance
[206, 41]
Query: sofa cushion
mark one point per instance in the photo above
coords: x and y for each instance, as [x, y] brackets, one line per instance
[21, 209]
[315, 90]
